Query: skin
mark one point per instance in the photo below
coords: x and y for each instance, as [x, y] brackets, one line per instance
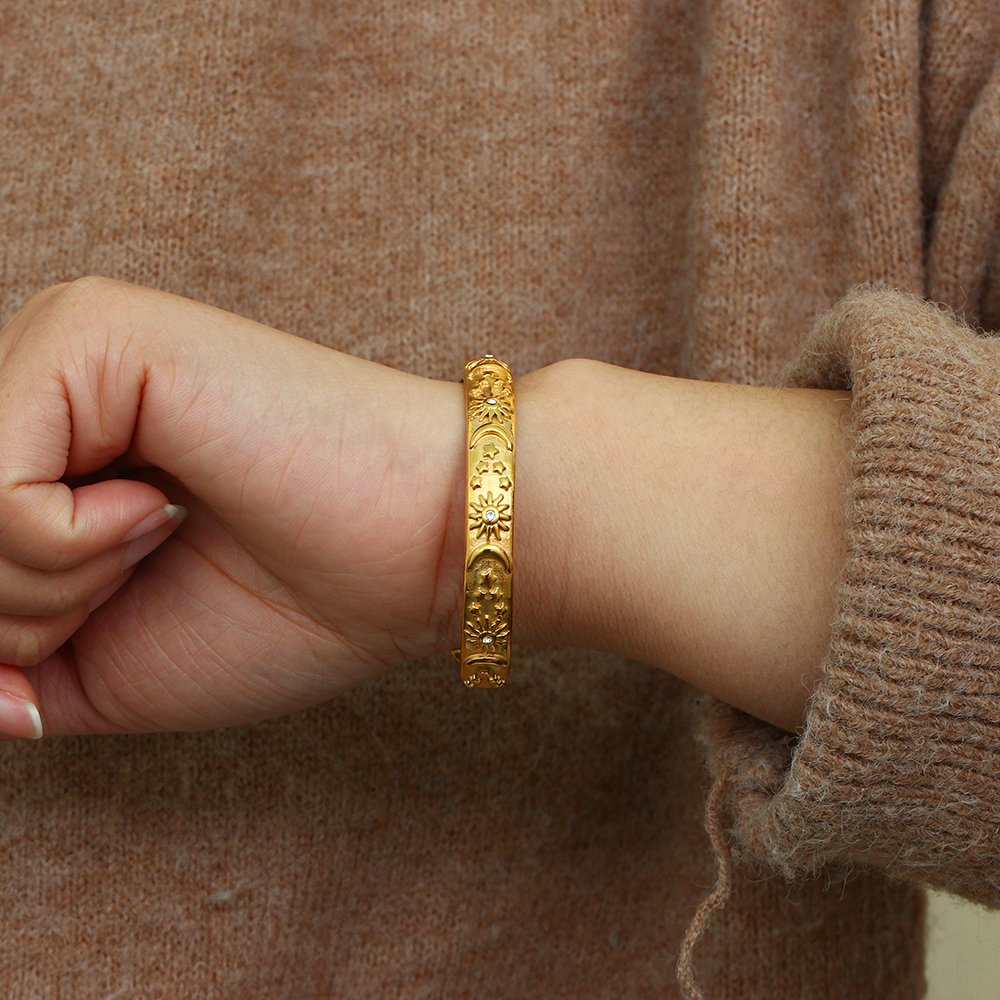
[696, 526]
[324, 539]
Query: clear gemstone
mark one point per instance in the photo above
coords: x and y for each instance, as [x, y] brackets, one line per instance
[487, 355]
[486, 638]
[489, 515]
[491, 401]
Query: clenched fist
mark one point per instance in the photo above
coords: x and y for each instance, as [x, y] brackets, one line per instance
[317, 486]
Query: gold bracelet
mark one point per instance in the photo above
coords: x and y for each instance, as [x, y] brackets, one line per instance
[489, 552]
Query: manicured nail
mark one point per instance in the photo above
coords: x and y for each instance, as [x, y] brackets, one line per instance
[162, 515]
[19, 717]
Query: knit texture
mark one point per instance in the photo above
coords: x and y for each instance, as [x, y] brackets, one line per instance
[688, 188]
[896, 767]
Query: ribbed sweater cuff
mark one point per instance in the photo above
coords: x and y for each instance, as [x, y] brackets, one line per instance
[898, 764]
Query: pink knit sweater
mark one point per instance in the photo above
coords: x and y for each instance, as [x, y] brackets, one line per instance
[767, 192]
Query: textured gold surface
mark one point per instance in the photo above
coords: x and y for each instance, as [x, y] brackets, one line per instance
[489, 552]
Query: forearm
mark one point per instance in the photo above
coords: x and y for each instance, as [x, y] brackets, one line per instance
[710, 531]
[695, 526]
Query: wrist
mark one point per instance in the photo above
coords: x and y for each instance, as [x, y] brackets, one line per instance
[692, 525]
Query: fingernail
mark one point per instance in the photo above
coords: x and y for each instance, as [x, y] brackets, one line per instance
[19, 717]
[145, 544]
[162, 515]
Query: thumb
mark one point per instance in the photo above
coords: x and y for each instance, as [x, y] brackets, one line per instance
[51, 527]
[53, 422]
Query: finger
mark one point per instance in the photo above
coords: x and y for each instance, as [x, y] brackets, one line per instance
[48, 526]
[26, 641]
[63, 702]
[67, 705]
[25, 590]
[19, 716]
[167, 652]
[55, 423]
[64, 706]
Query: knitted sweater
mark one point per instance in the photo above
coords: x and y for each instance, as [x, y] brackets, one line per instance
[765, 192]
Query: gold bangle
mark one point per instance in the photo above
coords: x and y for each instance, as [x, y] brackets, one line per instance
[489, 552]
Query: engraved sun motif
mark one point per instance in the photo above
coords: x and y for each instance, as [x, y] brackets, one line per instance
[491, 400]
[489, 516]
[485, 630]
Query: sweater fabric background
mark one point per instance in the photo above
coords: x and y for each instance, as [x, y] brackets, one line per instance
[763, 192]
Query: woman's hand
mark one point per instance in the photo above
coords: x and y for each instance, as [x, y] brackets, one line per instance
[327, 522]
[319, 487]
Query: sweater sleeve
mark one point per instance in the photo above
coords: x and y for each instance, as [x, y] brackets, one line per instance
[898, 763]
